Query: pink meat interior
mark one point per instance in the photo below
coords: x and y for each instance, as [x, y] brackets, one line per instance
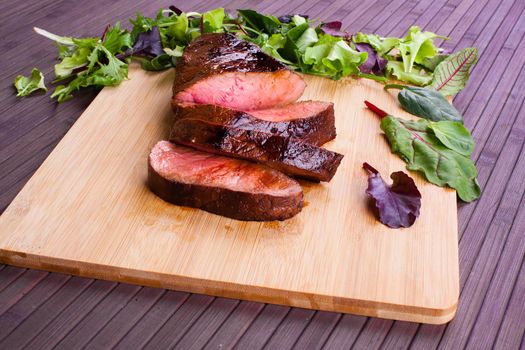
[298, 110]
[181, 164]
[245, 91]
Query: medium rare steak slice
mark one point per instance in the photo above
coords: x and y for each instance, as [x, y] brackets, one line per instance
[311, 121]
[223, 70]
[225, 186]
[287, 154]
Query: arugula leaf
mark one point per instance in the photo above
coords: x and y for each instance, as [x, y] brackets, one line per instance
[141, 24]
[91, 61]
[397, 205]
[117, 40]
[426, 103]
[26, 85]
[396, 69]
[453, 135]
[418, 146]
[452, 74]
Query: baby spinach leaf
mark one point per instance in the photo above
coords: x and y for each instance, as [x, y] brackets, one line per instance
[260, 22]
[452, 74]
[397, 205]
[26, 85]
[453, 135]
[422, 150]
[426, 103]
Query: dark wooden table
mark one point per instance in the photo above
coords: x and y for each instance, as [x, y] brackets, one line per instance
[45, 310]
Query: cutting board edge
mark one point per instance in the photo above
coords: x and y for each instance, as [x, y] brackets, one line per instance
[438, 315]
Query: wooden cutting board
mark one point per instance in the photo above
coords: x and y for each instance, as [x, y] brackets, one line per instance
[87, 212]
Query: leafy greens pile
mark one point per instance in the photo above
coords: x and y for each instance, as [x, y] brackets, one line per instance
[304, 45]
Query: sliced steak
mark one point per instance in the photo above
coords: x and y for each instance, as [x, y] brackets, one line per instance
[287, 154]
[225, 186]
[311, 121]
[221, 69]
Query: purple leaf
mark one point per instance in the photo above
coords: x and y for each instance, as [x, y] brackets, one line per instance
[374, 63]
[176, 10]
[148, 44]
[397, 205]
[333, 28]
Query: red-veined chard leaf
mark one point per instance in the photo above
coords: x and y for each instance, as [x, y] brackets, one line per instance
[451, 75]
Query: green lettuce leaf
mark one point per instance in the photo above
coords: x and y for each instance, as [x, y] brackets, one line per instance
[26, 85]
[381, 45]
[416, 46]
[78, 59]
[213, 20]
[333, 57]
[396, 69]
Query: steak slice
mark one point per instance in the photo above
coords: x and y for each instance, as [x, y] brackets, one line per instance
[287, 154]
[224, 70]
[225, 186]
[311, 121]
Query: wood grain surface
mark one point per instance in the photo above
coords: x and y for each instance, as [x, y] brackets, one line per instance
[49, 310]
[87, 211]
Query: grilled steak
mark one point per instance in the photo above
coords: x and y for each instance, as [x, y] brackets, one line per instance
[225, 186]
[221, 69]
[287, 154]
[311, 121]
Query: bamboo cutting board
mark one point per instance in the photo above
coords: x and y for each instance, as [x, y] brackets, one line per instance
[87, 212]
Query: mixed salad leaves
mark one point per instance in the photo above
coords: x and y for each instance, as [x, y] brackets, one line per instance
[303, 44]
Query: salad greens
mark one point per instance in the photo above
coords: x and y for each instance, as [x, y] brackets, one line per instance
[438, 150]
[304, 45]
[90, 61]
[26, 85]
